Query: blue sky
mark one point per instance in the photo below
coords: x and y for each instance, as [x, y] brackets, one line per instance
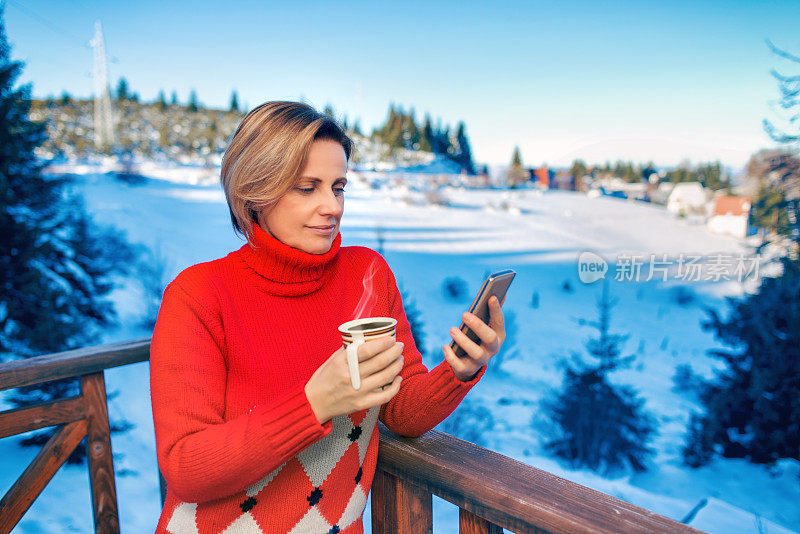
[660, 81]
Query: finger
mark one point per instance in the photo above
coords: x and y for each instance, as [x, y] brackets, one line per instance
[456, 364]
[371, 348]
[496, 319]
[486, 334]
[382, 396]
[473, 350]
[384, 376]
[381, 361]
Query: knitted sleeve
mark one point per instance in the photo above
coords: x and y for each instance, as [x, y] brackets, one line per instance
[202, 454]
[426, 397]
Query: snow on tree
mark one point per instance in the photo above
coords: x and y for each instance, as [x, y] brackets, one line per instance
[752, 408]
[56, 266]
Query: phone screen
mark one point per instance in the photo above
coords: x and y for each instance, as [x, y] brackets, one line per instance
[496, 284]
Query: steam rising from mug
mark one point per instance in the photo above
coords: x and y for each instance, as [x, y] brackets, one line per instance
[368, 297]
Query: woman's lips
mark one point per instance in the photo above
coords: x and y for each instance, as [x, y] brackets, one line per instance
[322, 230]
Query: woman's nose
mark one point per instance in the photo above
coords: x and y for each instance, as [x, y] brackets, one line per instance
[330, 205]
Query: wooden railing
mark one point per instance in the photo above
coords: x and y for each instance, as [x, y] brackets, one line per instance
[492, 491]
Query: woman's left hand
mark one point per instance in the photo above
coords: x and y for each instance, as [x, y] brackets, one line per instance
[491, 336]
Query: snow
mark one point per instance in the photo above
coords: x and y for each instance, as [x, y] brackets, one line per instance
[182, 215]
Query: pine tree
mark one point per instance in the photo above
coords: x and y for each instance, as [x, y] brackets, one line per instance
[464, 157]
[752, 408]
[122, 90]
[426, 136]
[234, 107]
[193, 104]
[55, 265]
[161, 101]
[789, 102]
[412, 131]
[601, 426]
[516, 173]
[173, 101]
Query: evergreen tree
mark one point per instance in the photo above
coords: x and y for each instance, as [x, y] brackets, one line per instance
[426, 136]
[328, 110]
[789, 103]
[173, 101]
[464, 157]
[66, 99]
[393, 133]
[193, 104]
[122, 90]
[161, 101]
[752, 408]
[411, 135]
[55, 265]
[601, 426]
[777, 173]
[516, 173]
[234, 107]
[357, 127]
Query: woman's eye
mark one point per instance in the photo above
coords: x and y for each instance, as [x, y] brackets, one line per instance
[339, 190]
[306, 189]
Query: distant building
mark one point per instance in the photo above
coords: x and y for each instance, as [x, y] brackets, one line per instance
[543, 176]
[730, 216]
[661, 194]
[687, 198]
[563, 180]
[619, 188]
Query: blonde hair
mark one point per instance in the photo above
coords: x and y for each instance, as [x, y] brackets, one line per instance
[269, 149]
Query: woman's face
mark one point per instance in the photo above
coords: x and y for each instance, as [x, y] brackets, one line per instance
[308, 216]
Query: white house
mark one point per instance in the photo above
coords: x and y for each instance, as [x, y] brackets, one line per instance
[730, 216]
[687, 198]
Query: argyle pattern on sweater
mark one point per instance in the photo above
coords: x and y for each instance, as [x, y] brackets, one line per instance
[321, 473]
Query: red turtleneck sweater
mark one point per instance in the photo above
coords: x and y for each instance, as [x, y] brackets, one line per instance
[235, 343]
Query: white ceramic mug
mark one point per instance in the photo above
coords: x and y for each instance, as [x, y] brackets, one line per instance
[355, 333]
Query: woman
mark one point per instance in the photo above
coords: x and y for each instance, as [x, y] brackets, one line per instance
[258, 428]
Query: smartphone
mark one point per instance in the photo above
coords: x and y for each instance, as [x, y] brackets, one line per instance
[496, 284]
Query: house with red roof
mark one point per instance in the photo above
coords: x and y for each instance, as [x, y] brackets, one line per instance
[730, 216]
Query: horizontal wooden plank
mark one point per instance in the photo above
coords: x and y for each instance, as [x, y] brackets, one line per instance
[19, 420]
[72, 363]
[511, 494]
[33, 480]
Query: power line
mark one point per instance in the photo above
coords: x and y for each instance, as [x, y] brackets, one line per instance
[48, 24]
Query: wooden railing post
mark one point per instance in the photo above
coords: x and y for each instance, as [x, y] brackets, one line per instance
[400, 506]
[469, 523]
[101, 465]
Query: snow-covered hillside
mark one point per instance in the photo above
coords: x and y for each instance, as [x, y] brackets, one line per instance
[468, 233]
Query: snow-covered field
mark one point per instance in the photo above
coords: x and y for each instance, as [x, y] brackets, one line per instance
[540, 235]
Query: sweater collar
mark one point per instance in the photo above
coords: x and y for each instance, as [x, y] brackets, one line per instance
[286, 270]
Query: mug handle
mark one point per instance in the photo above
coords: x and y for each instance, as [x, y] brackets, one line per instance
[352, 361]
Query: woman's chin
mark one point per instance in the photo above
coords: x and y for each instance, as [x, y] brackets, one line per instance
[319, 245]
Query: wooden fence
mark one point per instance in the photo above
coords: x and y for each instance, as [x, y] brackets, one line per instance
[492, 491]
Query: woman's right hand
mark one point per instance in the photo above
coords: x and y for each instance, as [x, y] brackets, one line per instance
[330, 392]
